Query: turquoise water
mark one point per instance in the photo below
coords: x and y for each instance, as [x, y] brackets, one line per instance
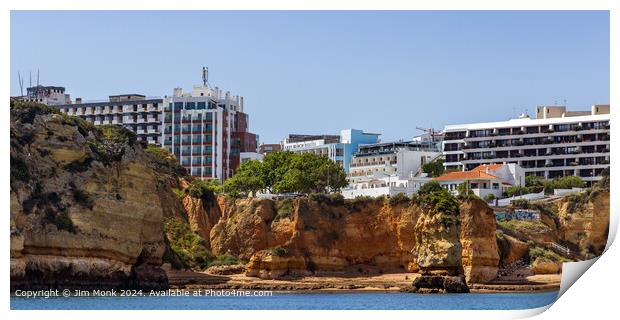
[299, 301]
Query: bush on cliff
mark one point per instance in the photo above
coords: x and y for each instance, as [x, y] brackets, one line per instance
[284, 209]
[542, 254]
[330, 199]
[185, 244]
[203, 189]
[164, 162]
[398, 199]
[576, 201]
[278, 251]
[434, 195]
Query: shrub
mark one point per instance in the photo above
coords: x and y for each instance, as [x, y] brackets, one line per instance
[164, 161]
[489, 197]
[398, 199]
[26, 111]
[278, 251]
[568, 182]
[188, 246]
[434, 168]
[179, 193]
[19, 170]
[82, 197]
[64, 222]
[222, 260]
[432, 194]
[430, 187]
[284, 209]
[331, 199]
[536, 253]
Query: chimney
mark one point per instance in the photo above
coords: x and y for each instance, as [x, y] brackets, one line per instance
[78, 100]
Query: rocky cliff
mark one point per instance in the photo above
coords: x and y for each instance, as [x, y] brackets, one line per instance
[480, 252]
[323, 235]
[85, 209]
[584, 221]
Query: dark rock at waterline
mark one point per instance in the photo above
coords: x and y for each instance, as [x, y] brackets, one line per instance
[149, 277]
[439, 284]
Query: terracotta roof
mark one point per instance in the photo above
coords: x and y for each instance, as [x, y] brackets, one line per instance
[466, 175]
[487, 167]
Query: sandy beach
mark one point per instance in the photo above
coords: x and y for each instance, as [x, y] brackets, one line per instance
[393, 282]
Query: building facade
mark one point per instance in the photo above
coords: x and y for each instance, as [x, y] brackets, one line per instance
[48, 95]
[558, 143]
[484, 179]
[400, 159]
[339, 148]
[266, 148]
[133, 111]
[388, 168]
[207, 131]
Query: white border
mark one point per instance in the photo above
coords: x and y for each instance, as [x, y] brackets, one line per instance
[591, 296]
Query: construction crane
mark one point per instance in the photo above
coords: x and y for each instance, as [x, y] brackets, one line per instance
[431, 132]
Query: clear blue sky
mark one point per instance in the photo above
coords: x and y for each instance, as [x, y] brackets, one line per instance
[319, 72]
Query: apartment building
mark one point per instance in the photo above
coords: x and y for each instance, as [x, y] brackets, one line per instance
[135, 112]
[389, 168]
[266, 148]
[207, 131]
[339, 148]
[557, 143]
[400, 159]
[48, 95]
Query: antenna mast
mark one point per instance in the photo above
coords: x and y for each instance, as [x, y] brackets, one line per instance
[21, 84]
[205, 76]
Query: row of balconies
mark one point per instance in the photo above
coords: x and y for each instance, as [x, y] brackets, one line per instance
[107, 111]
[547, 142]
[546, 130]
[372, 163]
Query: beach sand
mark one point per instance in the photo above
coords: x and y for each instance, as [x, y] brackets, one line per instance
[392, 282]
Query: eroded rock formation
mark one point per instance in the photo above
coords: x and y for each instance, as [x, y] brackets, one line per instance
[85, 210]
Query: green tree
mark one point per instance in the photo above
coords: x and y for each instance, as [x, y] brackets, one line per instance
[282, 172]
[248, 179]
[568, 182]
[535, 184]
[430, 187]
[274, 166]
[307, 173]
[434, 168]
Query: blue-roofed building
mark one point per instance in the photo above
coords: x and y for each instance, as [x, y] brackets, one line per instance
[339, 148]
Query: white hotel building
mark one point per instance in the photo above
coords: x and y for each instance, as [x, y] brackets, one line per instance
[557, 143]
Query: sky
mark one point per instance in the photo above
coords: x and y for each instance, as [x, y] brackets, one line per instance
[318, 72]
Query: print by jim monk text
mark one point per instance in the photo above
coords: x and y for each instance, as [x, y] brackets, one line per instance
[66, 293]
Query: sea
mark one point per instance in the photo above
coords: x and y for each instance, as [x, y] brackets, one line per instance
[297, 301]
